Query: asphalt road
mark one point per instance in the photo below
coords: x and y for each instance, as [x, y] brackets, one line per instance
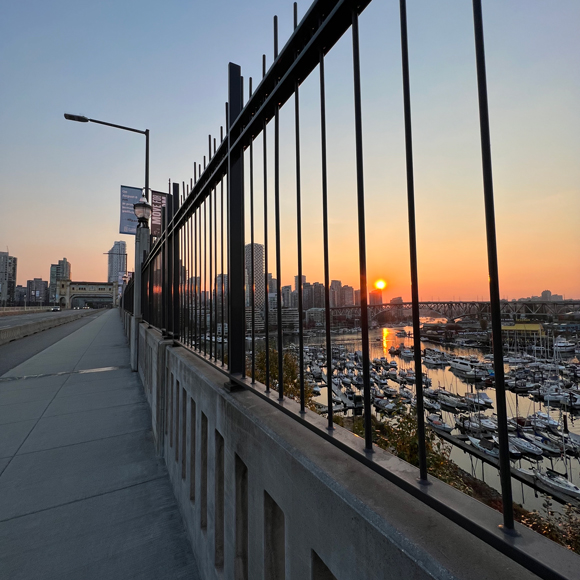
[20, 319]
[16, 352]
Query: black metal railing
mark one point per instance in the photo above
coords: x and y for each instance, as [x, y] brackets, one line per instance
[206, 288]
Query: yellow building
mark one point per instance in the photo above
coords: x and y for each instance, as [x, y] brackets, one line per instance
[72, 294]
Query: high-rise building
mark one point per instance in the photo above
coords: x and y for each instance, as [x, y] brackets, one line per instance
[117, 261]
[286, 296]
[7, 278]
[36, 291]
[376, 296]
[272, 284]
[347, 296]
[335, 293]
[60, 271]
[296, 278]
[20, 296]
[357, 297]
[258, 276]
[318, 295]
[307, 296]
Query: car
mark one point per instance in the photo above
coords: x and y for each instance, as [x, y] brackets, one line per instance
[56, 309]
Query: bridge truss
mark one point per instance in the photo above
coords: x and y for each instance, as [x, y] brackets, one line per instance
[471, 309]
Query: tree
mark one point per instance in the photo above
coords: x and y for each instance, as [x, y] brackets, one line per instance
[291, 375]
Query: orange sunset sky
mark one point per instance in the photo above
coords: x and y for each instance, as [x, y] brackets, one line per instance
[60, 181]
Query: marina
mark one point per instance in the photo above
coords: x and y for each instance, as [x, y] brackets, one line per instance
[542, 397]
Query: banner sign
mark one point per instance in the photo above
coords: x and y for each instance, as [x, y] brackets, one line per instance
[158, 201]
[129, 197]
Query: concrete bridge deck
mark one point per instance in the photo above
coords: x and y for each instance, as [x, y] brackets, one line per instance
[82, 494]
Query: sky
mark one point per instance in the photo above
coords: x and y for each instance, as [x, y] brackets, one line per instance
[163, 66]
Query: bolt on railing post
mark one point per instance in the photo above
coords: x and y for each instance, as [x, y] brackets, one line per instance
[235, 225]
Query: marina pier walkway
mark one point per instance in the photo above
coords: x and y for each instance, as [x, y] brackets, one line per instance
[82, 494]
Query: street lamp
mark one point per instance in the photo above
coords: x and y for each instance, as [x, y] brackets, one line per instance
[141, 235]
[143, 211]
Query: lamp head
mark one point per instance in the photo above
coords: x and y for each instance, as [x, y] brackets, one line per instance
[79, 118]
[143, 211]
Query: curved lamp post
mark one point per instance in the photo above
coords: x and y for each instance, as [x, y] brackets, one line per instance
[141, 236]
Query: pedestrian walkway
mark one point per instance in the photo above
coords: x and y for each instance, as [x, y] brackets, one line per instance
[82, 494]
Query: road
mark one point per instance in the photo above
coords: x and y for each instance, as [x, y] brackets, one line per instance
[20, 319]
[16, 352]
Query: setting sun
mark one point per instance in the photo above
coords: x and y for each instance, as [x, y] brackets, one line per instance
[380, 284]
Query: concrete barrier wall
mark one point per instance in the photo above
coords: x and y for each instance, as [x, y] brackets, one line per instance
[15, 310]
[16, 332]
[262, 496]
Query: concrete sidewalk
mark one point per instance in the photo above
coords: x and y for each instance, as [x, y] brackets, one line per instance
[82, 494]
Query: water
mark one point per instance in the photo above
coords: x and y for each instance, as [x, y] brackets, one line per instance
[381, 339]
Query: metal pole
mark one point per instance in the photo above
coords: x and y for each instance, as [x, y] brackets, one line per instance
[266, 289]
[361, 233]
[236, 299]
[325, 240]
[176, 268]
[252, 256]
[280, 337]
[413, 245]
[299, 236]
[495, 306]
[147, 164]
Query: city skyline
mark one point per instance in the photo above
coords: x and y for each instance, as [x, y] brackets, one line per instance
[534, 131]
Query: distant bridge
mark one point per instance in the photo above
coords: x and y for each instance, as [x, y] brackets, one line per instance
[472, 309]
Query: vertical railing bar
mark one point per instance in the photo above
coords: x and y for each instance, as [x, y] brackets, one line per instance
[191, 321]
[187, 301]
[182, 271]
[222, 268]
[175, 258]
[179, 271]
[275, 37]
[164, 261]
[227, 246]
[195, 172]
[205, 276]
[199, 249]
[153, 278]
[215, 291]
[413, 245]
[189, 278]
[194, 257]
[252, 256]
[494, 295]
[169, 263]
[266, 288]
[325, 239]
[295, 10]
[280, 335]
[299, 237]
[361, 232]
[210, 276]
